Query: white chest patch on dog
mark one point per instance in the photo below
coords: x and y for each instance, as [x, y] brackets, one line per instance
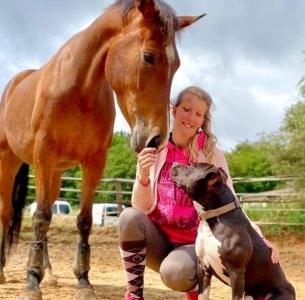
[207, 250]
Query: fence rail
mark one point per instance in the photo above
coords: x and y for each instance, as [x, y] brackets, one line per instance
[264, 203]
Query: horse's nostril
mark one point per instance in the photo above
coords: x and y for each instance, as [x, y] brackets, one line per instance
[154, 142]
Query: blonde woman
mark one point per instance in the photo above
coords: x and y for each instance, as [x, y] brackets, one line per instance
[160, 229]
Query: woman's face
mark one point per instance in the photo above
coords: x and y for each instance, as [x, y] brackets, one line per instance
[189, 115]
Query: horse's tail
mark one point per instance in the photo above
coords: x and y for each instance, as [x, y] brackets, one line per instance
[18, 203]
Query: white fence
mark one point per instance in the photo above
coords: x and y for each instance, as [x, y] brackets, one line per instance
[276, 202]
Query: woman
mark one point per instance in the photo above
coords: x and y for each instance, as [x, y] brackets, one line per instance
[160, 229]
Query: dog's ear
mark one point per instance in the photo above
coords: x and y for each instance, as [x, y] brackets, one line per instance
[224, 175]
[213, 179]
[217, 177]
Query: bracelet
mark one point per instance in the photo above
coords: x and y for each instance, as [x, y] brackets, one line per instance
[144, 184]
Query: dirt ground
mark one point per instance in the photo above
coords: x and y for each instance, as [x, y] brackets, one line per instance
[106, 273]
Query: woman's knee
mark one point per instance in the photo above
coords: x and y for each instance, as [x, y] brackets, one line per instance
[179, 275]
[129, 224]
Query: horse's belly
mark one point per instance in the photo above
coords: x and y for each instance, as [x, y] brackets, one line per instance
[207, 250]
[21, 142]
[18, 113]
[19, 136]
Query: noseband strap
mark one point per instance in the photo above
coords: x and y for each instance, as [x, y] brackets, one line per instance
[204, 215]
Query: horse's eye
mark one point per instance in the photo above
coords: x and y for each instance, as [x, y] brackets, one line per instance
[149, 58]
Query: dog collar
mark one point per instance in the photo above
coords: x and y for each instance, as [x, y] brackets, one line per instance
[204, 215]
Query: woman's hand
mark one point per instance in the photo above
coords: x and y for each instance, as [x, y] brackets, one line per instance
[275, 256]
[146, 159]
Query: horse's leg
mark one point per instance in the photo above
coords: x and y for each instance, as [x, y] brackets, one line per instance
[49, 277]
[9, 165]
[40, 223]
[91, 176]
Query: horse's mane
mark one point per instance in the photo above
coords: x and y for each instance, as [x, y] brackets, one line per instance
[167, 16]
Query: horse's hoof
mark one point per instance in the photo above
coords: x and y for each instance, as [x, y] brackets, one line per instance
[30, 295]
[85, 294]
[2, 278]
[50, 279]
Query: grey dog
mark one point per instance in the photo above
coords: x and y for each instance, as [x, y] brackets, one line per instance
[227, 246]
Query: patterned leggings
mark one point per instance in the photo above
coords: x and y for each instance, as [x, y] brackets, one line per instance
[177, 265]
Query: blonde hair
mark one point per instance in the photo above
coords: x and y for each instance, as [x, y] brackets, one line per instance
[210, 142]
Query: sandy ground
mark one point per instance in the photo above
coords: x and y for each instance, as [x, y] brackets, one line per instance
[106, 273]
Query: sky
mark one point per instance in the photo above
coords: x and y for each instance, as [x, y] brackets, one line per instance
[248, 55]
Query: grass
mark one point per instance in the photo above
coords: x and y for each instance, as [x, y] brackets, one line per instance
[285, 217]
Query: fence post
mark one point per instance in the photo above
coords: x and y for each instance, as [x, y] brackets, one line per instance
[118, 194]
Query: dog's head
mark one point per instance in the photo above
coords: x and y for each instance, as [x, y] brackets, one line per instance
[199, 179]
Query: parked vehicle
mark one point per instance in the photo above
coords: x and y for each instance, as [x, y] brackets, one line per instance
[60, 207]
[105, 213]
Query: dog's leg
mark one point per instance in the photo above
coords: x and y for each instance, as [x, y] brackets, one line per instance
[285, 292]
[204, 281]
[206, 286]
[237, 278]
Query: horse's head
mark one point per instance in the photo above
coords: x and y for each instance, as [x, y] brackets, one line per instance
[140, 65]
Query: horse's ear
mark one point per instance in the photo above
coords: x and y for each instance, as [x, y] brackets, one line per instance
[146, 7]
[185, 21]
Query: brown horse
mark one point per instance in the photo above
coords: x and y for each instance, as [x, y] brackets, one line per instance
[62, 115]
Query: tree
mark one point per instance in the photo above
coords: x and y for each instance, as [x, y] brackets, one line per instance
[290, 154]
[121, 163]
[252, 160]
[121, 160]
[281, 153]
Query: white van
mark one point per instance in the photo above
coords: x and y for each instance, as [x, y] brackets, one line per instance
[105, 213]
[59, 208]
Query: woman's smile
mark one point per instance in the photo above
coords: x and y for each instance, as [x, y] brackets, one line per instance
[187, 125]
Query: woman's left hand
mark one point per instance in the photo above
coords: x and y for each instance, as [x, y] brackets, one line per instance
[275, 256]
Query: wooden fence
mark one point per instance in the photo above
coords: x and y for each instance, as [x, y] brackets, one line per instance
[276, 202]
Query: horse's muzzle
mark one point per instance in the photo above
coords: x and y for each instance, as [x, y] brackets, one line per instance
[140, 141]
[154, 142]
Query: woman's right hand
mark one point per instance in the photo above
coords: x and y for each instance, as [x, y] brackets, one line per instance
[146, 158]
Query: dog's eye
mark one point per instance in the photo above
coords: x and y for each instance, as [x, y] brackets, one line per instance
[149, 57]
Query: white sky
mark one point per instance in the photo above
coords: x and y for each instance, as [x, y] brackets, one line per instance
[247, 54]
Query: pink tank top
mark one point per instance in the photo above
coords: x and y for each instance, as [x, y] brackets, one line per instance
[175, 214]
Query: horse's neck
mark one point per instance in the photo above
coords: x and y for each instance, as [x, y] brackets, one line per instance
[88, 50]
